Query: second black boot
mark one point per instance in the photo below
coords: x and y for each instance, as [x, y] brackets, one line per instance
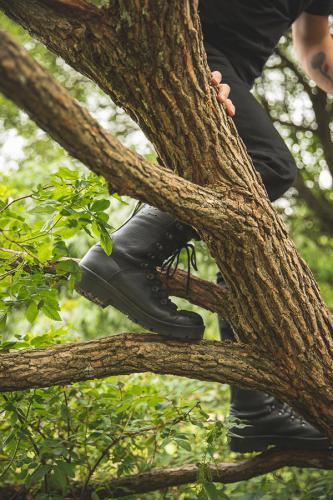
[128, 280]
[265, 420]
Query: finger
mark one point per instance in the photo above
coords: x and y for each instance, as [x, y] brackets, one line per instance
[224, 91]
[216, 78]
[230, 108]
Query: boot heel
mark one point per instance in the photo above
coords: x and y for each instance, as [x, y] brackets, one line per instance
[91, 287]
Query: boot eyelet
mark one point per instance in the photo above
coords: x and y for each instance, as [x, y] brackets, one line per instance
[164, 301]
[149, 276]
[159, 246]
[155, 288]
[169, 236]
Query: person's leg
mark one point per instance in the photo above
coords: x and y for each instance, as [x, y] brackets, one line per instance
[270, 422]
[270, 156]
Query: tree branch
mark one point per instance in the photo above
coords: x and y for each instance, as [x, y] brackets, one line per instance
[33, 89]
[220, 473]
[201, 293]
[137, 56]
[158, 479]
[134, 353]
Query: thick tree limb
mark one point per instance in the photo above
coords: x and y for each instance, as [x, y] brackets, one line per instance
[134, 353]
[33, 89]
[126, 50]
[98, 47]
[158, 479]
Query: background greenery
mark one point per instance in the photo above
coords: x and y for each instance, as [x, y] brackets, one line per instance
[51, 207]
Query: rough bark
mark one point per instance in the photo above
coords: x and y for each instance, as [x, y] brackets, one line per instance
[125, 48]
[134, 353]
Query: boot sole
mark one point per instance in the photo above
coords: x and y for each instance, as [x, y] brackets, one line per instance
[249, 444]
[102, 293]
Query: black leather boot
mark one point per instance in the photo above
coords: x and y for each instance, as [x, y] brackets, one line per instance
[268, 421]
[127, 279]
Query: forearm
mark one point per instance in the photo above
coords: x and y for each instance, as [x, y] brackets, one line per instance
[314, 48]
[318, 64]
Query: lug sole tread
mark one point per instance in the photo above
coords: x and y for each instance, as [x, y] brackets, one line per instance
[91, 280]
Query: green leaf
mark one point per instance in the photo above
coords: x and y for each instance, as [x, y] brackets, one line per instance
[100, 205]
[31, 312]
[3, 319]
[39, 474]
[59, 478]
[51, 312]
[59, 249]
[95, 228]
[106, 242]
[212, 492]
[44, 251]
[67, 266]
[184, 444]
[66, 173]
[68, 469]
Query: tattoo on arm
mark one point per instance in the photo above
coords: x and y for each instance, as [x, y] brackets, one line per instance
[318, 62]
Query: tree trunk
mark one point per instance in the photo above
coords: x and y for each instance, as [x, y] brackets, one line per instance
[149, 57]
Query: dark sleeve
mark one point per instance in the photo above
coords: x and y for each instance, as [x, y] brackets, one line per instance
[320, 7]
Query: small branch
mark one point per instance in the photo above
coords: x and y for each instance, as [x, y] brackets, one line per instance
[220, 473]
[137, 353]
[202, 293]
[157, 479]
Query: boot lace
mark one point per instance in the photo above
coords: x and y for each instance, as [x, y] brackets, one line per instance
[170, 265]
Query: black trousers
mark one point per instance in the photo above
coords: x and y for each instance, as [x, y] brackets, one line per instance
[269, 153]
